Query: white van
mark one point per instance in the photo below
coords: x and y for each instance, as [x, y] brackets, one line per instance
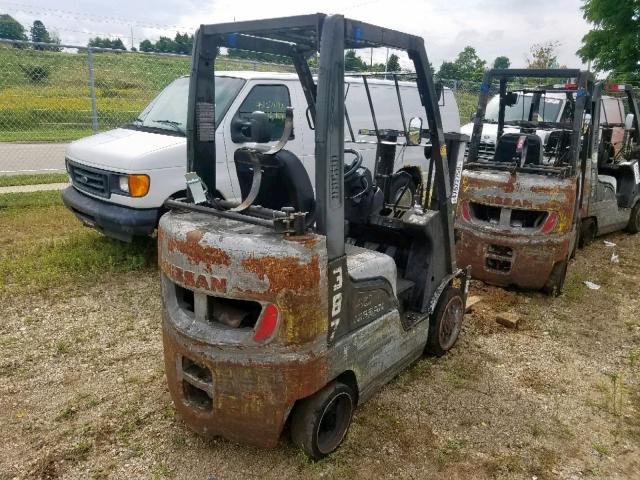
[553, 108]
[121, 178]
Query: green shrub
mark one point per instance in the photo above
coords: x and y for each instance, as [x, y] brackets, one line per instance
[35, 73]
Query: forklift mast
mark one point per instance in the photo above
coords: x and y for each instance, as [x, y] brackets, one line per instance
[299, 37]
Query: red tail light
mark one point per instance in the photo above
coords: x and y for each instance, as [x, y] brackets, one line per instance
[267, 324]
[566, 86]
[550, 222]
[465, 211]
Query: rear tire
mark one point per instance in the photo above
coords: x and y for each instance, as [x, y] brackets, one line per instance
[634, 220]
[555, 282]
[446, 322]
[588, 232]
[320, 422]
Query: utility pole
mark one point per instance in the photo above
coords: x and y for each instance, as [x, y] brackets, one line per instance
[131, 26]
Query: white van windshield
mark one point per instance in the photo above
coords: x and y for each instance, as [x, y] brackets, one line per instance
[168, 111]
[549, 109]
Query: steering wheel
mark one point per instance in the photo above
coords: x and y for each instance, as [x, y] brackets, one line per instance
[355, 164]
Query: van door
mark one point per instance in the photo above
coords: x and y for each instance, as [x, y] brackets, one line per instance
[269, 96]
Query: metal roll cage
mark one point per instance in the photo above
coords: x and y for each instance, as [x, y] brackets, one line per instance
[300, 37]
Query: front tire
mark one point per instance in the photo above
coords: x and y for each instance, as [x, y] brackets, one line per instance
[403, 190]
[634, 219]
[446, 322]
[320, 422]
[555, 282]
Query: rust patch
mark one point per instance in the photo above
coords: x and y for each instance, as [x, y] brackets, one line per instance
[198, 253]
[309, 241]
[286, 273]
[294, 286]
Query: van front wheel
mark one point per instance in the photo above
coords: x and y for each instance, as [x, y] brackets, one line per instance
[320, 422]
[402, 190]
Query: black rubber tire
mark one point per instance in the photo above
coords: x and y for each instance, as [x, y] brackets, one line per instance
[574, 250]
[445, 322]
[588, 232]
[398, 184]
[634, 220]
[331, 408]
[555, 282]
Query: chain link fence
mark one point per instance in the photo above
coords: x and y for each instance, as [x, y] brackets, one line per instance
[51, 97]
[466, 93]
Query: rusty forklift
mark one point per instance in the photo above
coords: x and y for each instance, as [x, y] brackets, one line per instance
[546, 187]
[295, 304]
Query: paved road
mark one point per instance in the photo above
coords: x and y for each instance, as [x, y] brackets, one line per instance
[31, 157]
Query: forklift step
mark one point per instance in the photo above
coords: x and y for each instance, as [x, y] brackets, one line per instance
[403, 286]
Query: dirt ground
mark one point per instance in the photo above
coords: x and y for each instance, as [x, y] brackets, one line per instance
[83, 392]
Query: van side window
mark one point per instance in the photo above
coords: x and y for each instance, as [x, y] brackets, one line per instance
[270, 99]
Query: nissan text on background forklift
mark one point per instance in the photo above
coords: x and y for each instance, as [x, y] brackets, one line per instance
[291, 306]
[524, 209]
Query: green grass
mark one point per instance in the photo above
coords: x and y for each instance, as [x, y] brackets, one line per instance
[86, 254]
[41, 133]
[13, 201]
[32, 179]
[467, 104]
[62, 251]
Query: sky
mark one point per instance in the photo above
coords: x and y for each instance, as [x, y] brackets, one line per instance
[492, 27]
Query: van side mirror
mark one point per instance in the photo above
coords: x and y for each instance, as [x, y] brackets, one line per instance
[428, 151]
[260, 127]
[510, 99]
[628, 121]
[415, 131]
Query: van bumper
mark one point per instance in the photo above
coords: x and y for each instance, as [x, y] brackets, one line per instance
[523, 261]
[116, 221]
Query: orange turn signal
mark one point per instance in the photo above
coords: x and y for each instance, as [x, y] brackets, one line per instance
[138, 185]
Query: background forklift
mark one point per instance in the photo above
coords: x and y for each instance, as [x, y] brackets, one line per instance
[547, 188]
[295, 306]
[613, 200]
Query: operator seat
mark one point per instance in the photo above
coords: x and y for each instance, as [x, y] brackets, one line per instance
[284, 183]
[507, 148]
[558, 145]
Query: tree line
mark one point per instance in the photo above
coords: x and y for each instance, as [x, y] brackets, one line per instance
[11, 29]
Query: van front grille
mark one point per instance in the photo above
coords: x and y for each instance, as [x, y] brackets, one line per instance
[486, 150]
[90, 180]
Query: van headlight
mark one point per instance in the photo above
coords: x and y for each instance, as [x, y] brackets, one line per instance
[133, 185]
